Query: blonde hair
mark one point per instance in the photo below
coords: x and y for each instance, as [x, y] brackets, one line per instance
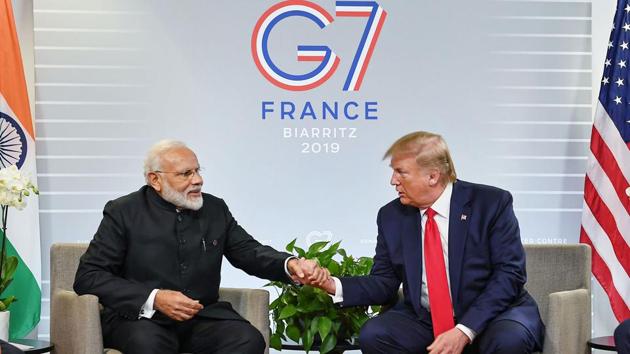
[430, 151]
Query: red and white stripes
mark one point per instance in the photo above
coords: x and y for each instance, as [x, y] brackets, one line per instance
[606, 215]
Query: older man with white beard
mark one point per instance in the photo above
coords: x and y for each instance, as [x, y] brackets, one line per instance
[155, 264]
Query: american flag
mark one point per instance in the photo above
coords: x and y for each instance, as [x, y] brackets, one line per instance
[606, 213]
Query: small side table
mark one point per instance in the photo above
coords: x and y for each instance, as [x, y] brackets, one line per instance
[603, 343]
[38, 346]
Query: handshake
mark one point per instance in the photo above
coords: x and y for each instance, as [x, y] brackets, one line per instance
[308, 272]
[180, 307]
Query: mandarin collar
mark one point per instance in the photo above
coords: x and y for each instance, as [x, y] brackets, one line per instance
[157, 199]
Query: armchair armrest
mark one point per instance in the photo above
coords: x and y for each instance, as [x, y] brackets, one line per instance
[75, 326]
[252, 304]
[569, 322]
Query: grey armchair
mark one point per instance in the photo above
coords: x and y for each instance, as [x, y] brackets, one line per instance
[75, 325]
[559, 278]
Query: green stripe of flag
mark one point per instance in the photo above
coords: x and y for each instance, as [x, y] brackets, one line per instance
[26, 310]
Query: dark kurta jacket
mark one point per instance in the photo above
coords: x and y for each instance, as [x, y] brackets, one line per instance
[143, 243]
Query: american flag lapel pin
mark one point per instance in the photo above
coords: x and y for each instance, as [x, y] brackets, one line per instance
[464, 217]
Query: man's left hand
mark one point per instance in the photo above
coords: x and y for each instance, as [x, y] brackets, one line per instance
[307, 271]
[452, 341]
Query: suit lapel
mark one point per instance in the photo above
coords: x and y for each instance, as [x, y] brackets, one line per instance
[459, 220]
[412, 250]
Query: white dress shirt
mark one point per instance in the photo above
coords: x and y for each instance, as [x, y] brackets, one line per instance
[442, 207]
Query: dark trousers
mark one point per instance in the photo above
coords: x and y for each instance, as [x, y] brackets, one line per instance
[198, 335]
[401, 331]
[622, 337]
[6, 348]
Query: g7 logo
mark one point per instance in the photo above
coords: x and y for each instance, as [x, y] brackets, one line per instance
[328, 60]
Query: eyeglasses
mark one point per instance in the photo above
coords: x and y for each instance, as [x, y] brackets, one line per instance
[186, 175]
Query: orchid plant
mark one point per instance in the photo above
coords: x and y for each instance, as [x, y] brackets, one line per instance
[14, 188]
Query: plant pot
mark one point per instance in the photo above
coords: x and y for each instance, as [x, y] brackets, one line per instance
[4, 325]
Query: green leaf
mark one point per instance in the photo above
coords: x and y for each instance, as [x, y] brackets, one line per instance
[290, 246]
[305, 292]
[358, 322]
[10, 266]
[300, 252]
[313, 306]
[316, 247]
[287, 312]
[334, 313]
[289, 299]
[275, 303]
[328, 344]
[8, 270]
[275, 342]
[280, 328]
[329, 253]
[333, 267]
[314, 324]
[375, 309]
[293, 332]
[324, 326]
[307, 339]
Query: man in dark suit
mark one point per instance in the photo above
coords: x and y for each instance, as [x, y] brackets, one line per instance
[456, 249]
[622, 337]
[155, 264]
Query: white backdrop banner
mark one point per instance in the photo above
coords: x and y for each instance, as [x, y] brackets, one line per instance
[291, 105]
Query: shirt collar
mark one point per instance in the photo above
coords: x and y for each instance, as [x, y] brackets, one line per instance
[442, 205]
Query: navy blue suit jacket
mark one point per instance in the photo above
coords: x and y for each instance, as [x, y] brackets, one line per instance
[485, 255]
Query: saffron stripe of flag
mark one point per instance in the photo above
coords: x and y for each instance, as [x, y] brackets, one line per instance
[17, 146]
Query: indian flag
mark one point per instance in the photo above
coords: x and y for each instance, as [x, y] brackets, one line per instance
[17, 147]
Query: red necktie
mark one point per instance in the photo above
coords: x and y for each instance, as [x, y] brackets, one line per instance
[437, 284]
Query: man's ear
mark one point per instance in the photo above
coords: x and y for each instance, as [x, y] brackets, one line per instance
[434, 178]
[154, 181]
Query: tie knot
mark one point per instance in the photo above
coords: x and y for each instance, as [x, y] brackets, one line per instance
[430, 213]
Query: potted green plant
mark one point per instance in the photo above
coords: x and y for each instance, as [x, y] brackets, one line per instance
[14, 187]
[307, 315]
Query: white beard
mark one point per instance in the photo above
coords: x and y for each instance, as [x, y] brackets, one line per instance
[181, 199]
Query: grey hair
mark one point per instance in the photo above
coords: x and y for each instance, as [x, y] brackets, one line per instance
[153, 161]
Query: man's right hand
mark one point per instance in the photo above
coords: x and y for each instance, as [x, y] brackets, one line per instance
[176, 305]
[328, 286]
